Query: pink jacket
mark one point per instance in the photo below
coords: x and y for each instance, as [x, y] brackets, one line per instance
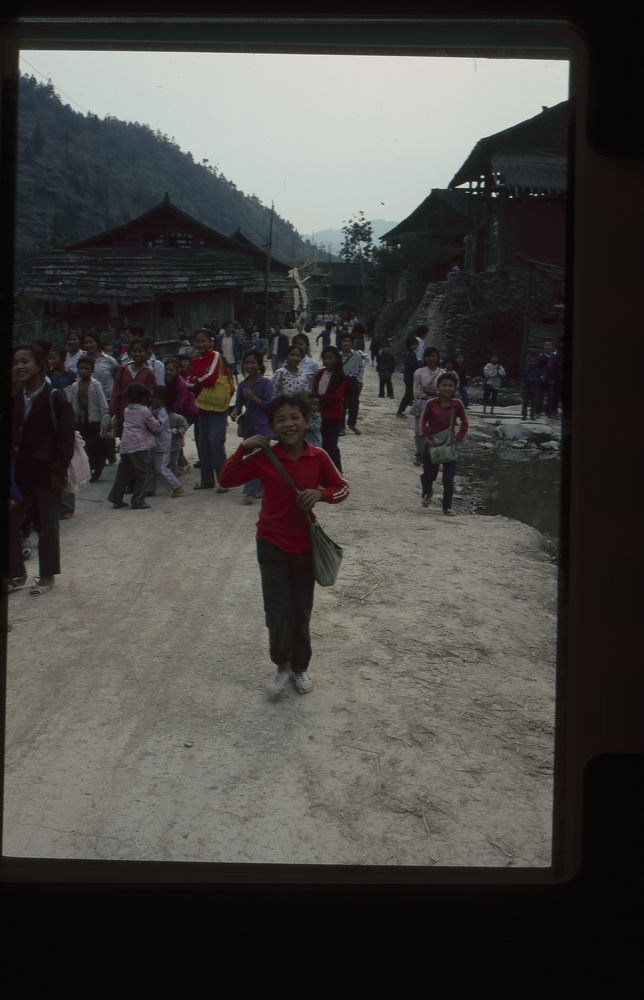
[139, 428]
[184, 398]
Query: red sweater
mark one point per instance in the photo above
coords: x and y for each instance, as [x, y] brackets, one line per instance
[124, 377]
[281, 521]
[438, 418]
[331, 403]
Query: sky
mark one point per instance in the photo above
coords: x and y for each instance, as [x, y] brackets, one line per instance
[324, 137]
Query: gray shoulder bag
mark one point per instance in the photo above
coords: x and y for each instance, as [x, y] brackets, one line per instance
[444, 449]
[327, 556]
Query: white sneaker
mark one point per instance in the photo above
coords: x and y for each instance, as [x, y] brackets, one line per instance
[278, 683]
[303, 684]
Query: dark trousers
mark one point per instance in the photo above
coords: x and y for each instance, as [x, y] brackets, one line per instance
[212, 451]
[287, 586]
[408, 398]
[430, 474]
[529, 400]
[547, 390]
[330, 433]
[385, 380]
[462, 392]
[94, 446]
[47, 505]
[351, 397]
[135, 466]
[489, 395]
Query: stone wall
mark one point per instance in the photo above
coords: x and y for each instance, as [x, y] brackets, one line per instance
[476, 313]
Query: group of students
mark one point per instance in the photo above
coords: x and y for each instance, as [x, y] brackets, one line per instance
[146, 417]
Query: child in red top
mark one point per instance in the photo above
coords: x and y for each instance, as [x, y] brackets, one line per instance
[283, 538]
[137, 371]
[330, 384]
[435, 418]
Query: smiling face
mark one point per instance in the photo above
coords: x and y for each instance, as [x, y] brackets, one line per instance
[202, 342]
[73, 343]
[250, 366]
[294, 356]
[171, 370]
[138, 353]
[89, 346]
[25, 367]
[431, 360]
[328, 360]
[289, 425]
[446, 389]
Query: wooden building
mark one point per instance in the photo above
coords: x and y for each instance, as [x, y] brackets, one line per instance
[517, 183]
[163, 270]
[444, 218]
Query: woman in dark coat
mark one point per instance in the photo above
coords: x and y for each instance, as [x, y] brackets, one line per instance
[42, 446]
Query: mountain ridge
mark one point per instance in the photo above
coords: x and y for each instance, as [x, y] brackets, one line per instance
[81, 175]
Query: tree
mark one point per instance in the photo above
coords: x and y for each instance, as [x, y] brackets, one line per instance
[358, 239]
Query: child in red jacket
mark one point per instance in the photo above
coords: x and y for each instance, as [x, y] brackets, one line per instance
[283, 537]
[330, 384]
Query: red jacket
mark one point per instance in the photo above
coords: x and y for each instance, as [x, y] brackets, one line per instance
[183, 399]
[124, 377]
[331, 403]
[435, 418]
[281, 521]
[204, 371]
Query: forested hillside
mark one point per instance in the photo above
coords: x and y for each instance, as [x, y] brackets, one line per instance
[81, 175]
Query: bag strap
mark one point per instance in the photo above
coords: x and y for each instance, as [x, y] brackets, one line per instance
[283, 473]
[51, 407]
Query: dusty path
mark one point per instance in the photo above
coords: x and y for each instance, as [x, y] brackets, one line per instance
[138, 726]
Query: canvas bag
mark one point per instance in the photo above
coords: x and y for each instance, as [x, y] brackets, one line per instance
[443, 449]
[326, 554]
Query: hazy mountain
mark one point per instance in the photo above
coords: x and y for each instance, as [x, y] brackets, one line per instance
[336, 236]
[80, 175]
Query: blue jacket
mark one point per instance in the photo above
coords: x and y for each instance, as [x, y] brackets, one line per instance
[386, 363]
[531, 378]
[412, 364]
[254, 419]
[548, 363]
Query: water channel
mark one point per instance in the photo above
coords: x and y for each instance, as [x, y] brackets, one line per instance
[524, 488]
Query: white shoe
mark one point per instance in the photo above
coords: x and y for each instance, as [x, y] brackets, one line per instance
[278, 683]
[303, 684]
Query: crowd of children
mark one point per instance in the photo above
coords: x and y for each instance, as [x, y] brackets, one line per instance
[125, 393]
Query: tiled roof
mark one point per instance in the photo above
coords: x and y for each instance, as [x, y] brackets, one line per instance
[135, 275]
[421, 219]
[545, 132]
[535, 169]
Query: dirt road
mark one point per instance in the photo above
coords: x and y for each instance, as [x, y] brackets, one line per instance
[138, 727]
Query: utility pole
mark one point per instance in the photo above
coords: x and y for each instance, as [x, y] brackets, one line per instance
[268, 268]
